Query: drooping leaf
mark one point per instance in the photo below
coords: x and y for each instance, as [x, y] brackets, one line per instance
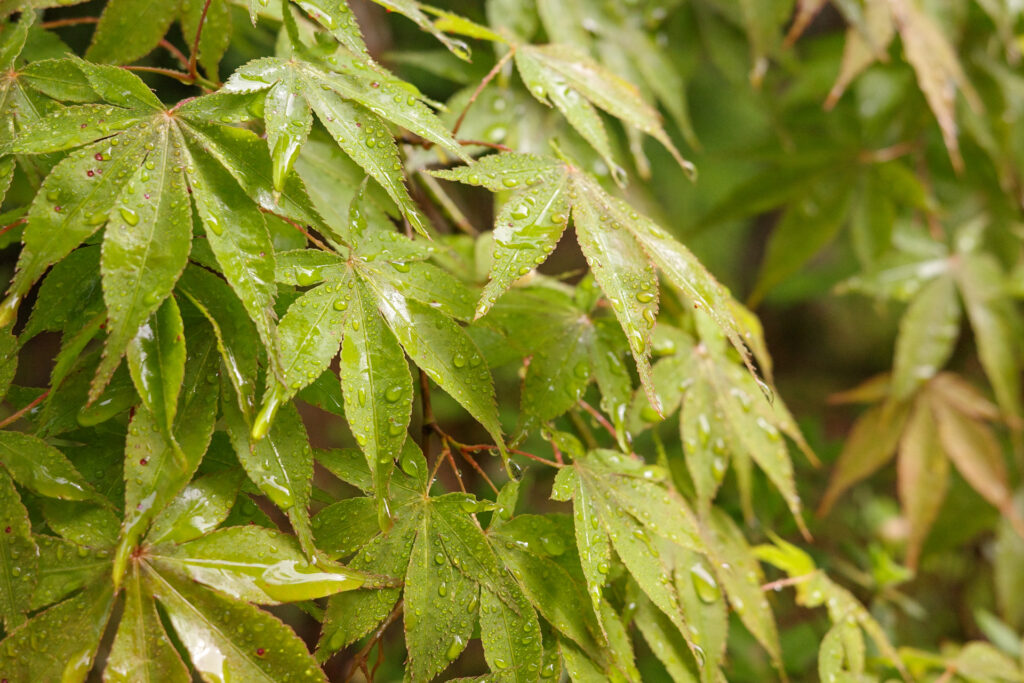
[18, 557]
[923, 476]
[227, 639]
[147, 242]
[129, 29]
[156, 360]
[255, 564]
[928, 331]
[62, 639]
[142, 651]
[41, 468]
[869, 446]
[378, 389]
[740, 577]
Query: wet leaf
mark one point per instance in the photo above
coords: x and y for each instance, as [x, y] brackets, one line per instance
[441, 604]
[156, 359]
[142, 651]
[280, 464]
[256, 565]
[511, 636]
[129, 29]
[928, 333]
[443, 350]
[227, 639]
[237, 234]
[378, 390]
[199, 509]
[152, 209]
[41, 468]
[62, 639]
[18, 557]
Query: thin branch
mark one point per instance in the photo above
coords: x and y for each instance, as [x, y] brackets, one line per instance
[558, 453]
[601, 419]
[488, 447]
[185, 78]
[359, 660]
[11, 419]
[194, 56]
[473, 463]
[480, 88]
[484, 143]
[175, 52]
[791, 581]
[9, 226]
[306, 233]
[70, 21]
[455, 469]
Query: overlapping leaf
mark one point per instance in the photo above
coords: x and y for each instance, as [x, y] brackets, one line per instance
[622, 247]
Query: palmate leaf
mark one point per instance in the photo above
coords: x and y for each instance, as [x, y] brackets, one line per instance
[814, 589]
[565, 76]
[350, 97]
[92, 187]
[157, 465]
[621, 246]
[619, 502]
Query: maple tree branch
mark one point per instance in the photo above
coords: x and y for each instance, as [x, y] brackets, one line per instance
[11, 419]
[10, 226]
[476, 466]
[359, 660]
[193, 57]
[480, 88]
[301, 228]
[601, 419]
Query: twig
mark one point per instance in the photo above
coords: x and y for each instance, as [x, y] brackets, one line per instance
[488, 447]
[455, 469]
[484, 143]
[194, 56]
[298, 226]
[175, 52]
[70, 21]
[558, 453]
[783, 583]
[11, 419]
[473, 463]
[185, 78]
[480, 88]
[9, 226]
[601, 419]
[359, 660]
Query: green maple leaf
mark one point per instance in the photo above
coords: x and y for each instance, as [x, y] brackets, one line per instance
[352, 97]
[134, 175]
[622, 247]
